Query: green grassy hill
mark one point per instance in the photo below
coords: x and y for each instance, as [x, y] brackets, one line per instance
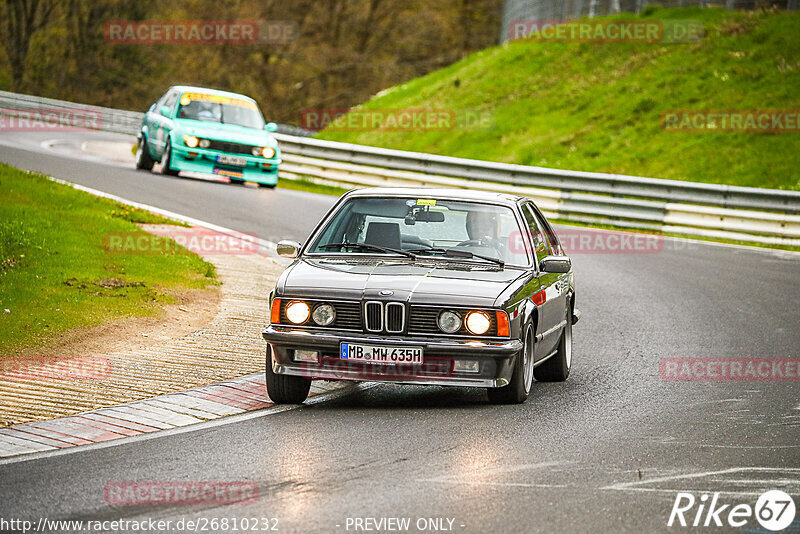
[598, 107]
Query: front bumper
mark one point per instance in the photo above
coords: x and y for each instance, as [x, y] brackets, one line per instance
[495, 358]
[258, 169]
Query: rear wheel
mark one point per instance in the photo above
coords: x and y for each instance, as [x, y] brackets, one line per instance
[284, 389]
[518, 390]
[268, 186]
[166, 160]
[556, 368]
[143, 159]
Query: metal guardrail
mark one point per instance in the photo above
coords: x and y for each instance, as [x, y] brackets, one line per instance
[108, 119]
[743, 213]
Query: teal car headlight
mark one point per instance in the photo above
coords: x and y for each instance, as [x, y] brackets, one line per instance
[266, 152]
[205, 143]
[191, 141]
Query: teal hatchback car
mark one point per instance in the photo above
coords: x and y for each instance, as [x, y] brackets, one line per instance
[207, 131]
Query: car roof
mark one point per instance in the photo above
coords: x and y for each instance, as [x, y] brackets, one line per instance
[439, 193]
[216, 92]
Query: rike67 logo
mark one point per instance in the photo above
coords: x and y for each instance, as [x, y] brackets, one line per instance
[774, 510]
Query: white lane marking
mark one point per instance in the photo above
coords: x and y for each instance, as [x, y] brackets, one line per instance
[263, 243]
[637, 485]
[205, 425]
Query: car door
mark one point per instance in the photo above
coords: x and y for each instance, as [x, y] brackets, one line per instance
[546, 299]
[164, 124]
[152, 121]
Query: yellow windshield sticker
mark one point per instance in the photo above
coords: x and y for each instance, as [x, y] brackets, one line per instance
[425, 202]
[187, 99]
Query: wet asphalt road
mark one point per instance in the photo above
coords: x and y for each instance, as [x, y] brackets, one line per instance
[605, 451]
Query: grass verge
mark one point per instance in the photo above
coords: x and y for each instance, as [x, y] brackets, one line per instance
[56, 274]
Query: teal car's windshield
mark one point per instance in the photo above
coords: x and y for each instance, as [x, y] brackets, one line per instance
[225, 110]
[426, 227]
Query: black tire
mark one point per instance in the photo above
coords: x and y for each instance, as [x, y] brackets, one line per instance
[519, 389]
[556, 368]
[166, 160]
[144, 161]
[268, 186]
[284, 389]
[236, 181]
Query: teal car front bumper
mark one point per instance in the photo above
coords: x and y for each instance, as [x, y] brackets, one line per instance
[256, 169]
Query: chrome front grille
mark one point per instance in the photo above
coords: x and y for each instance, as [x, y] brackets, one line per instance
[373, 316]
[394, 317]
[387, 317]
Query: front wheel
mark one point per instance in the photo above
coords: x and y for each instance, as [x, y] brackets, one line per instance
[556, 368]
[284, 389]
[144, 161]
[166, 160]
[518, 390]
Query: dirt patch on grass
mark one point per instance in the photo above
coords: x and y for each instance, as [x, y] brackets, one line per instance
[206, 336]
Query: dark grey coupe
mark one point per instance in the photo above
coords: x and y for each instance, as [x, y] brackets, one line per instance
[424, 286]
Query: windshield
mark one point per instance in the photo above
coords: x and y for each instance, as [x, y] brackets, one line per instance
[427, 227]
[222, 109]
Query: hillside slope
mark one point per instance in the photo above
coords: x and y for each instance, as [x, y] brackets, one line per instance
[598, 107]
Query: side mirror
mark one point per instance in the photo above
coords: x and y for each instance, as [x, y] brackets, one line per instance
[271, 127]
[153, 106]
[555, 264]
[288, 249]
[165, 111]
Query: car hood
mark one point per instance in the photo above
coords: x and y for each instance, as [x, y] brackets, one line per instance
[420, 282]
[225, 132]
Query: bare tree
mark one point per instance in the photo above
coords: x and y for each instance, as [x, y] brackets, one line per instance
[19, 20]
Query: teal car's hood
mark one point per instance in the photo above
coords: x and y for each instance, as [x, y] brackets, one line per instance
[225, 132]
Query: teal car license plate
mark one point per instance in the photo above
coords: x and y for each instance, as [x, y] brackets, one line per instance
[380, 353]
[232, 160]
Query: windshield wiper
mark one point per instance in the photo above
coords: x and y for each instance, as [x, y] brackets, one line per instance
[367, 246]
[455, 253]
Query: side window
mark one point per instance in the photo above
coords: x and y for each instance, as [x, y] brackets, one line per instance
[552, 238]
[170, 102]
[540, 244]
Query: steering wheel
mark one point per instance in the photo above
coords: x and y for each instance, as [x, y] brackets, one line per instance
[471, 242]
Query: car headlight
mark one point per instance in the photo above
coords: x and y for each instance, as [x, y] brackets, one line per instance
[478, 322]
[205, 143]
[449, 322]
[324, 314]
[297, 312]
[190, 140]
[256, 151]
[268, 152]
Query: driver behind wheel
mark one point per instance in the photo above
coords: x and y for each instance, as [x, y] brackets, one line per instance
[483, 228]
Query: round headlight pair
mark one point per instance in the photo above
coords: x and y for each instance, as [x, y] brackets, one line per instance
[477, 322]
[298, 312]
[192, 141]
[266, 152]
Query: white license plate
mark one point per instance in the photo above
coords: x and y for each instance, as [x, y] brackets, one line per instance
[380, 354]
[232, 160]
